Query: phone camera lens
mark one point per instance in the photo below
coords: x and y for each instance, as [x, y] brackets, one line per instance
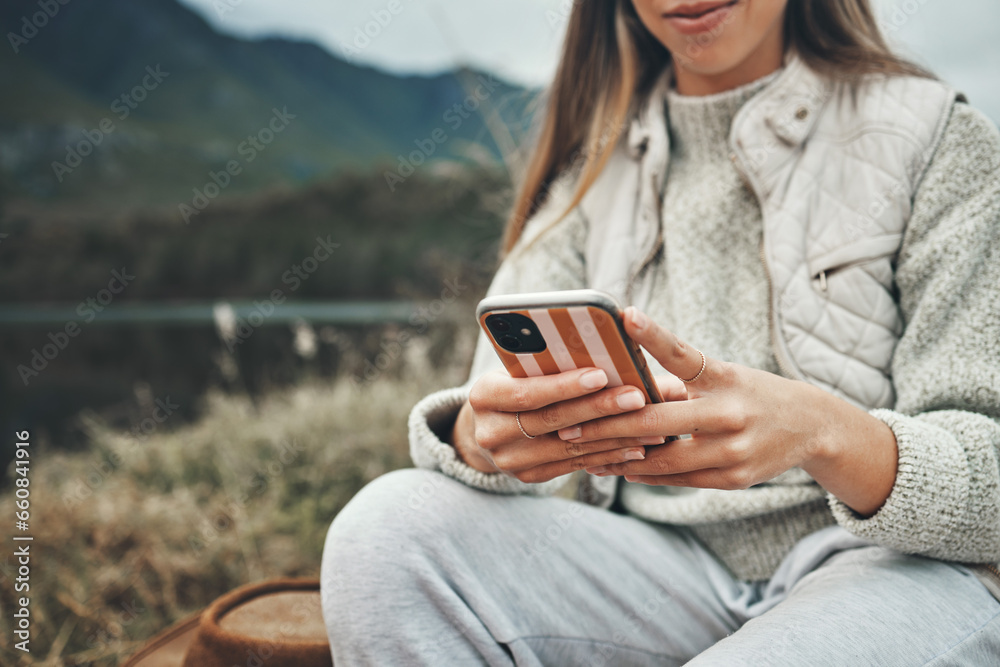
[515, 332]
[510, 343]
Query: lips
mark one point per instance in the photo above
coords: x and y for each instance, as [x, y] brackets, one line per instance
[698, 17]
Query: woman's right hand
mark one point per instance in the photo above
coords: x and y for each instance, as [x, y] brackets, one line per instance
[486, 435]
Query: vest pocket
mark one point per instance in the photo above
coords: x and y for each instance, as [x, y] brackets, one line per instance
[860, 253]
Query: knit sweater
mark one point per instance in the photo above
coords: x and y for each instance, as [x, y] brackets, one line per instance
[712, 291]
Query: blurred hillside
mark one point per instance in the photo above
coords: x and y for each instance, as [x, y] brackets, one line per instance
[146, 99]
[398, 246]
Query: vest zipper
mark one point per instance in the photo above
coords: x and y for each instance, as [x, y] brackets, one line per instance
[826, 273]
[783, 364]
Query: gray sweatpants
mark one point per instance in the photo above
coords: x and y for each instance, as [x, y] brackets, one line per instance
[422, 570]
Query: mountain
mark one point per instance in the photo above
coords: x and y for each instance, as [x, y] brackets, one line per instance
[142, 102]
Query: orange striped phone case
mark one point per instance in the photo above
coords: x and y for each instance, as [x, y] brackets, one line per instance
[550, 332]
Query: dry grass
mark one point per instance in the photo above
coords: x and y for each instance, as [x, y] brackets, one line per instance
[137, 534]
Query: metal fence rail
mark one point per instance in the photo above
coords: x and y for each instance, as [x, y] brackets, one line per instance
[205, 313]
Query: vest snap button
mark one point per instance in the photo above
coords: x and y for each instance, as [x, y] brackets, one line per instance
[801, 113]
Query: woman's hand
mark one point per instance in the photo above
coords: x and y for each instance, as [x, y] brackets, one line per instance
[747, 427]
[487, 437]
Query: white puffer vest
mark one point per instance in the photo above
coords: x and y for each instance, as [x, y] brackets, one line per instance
[835, 172]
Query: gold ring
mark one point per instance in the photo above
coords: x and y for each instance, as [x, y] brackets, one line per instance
[517, 418]
[704, 362]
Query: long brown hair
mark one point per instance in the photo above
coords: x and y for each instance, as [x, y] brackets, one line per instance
[610, 62]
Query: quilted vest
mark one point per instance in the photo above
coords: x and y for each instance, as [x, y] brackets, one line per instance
[835, 170]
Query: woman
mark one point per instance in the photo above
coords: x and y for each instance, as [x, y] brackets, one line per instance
[808, 229]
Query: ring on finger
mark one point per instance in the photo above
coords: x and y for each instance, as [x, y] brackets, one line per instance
[704, 362]
[517, 418]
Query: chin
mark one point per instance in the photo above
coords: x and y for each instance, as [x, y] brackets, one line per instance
[713, 60]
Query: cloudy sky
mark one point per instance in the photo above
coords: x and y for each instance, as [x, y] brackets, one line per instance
[519, 39]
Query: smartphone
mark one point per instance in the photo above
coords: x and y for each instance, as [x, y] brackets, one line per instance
[544, 333]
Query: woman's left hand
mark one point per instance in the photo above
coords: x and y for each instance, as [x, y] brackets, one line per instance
[747, 426]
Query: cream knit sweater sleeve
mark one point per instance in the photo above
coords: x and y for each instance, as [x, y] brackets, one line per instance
[946, 368]
[549, 256]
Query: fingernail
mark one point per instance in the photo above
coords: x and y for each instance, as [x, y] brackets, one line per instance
[632, 400]
[635, 455]
[598, 470]
[653, 440]
[594, 379]
[635, 479]
[639, 319]
[571, 433]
